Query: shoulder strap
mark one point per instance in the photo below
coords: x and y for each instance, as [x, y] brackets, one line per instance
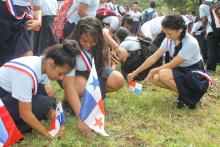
[86, 60]
[11, 9]
[25, 69]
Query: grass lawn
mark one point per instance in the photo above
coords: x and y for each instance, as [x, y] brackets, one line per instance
[149, 119]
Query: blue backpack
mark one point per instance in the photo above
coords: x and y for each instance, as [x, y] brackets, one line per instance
[147, 16]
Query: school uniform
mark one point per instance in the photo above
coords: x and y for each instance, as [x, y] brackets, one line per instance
[110, 21]
[17, 39]
[81, 69]
[191, 78]
[22, 80]
[73, 16]
[44, 37]
[136, 17]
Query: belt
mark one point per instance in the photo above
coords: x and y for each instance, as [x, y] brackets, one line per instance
[134, 53]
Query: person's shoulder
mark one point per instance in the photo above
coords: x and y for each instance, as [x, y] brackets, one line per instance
[190, 40]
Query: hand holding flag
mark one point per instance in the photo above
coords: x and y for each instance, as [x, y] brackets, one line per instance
[135, 87]
[57, 123]
[92, 110]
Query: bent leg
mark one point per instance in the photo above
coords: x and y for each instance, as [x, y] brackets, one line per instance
[114, 82]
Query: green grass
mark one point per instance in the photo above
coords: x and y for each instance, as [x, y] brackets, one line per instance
[149, 119]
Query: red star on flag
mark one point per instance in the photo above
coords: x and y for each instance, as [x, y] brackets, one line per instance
[98, 122]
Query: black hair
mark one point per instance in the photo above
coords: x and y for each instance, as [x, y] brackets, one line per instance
[122, 33]
[127, 19]
[63, 54]
[153, 4]
[92, 27]
[135, 3]
[175, 22]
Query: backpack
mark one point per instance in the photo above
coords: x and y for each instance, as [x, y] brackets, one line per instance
[215, 14]
[104, 12]
[61, 18]
[134, 61]
[147, 16]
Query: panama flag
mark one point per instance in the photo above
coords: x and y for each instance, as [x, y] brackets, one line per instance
[58, 120]
[92, 110]
[135, 87]
[9, 133]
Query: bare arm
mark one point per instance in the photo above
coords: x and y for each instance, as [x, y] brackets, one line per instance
[204, 22]
[147, 63]
[71, 94]
[35, 23]
[82, 9]
[121, 52]
[25, 112]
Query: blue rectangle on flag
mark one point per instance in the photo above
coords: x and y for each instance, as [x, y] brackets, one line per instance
[88, 104]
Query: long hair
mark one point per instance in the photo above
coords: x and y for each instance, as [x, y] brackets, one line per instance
[92, 27]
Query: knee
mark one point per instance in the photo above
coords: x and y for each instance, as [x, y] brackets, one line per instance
[80, 86]
[163, 75]
[155, 78]
[115, 81]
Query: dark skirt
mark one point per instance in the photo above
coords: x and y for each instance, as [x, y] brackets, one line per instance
[15, 38]
[41, 105]
[102, 80]
[135, 26]
[45, 38]
[191, 85]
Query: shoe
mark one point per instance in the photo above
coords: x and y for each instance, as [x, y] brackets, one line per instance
[181, 104]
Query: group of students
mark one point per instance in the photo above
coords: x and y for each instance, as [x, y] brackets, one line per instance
[25, 82]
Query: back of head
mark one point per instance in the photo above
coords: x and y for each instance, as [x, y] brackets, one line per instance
[63, 54]
[153, 4]
[122, 33]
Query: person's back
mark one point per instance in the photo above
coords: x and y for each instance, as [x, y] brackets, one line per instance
[212, 34]
[150, 13]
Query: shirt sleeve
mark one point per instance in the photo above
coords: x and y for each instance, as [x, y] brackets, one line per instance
[36, 2]
[202, 11]
[88, 2]
[188, 51]
[72, 72]
[164, 45]
[22, 86]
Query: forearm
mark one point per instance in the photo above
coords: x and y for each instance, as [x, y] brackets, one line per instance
[72, 96]
[34, 123]
[37, 13]
[109, 40]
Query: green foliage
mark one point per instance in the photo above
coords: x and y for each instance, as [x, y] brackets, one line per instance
[149, 119]
[181, 6]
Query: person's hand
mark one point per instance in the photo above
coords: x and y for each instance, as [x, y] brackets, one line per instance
[114, 57]
[122, 54]
[131, 76]
[150, 75]
[33, 25]
[83, 127]
[61, 132]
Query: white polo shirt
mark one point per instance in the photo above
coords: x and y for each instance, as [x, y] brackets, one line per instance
[20, 84]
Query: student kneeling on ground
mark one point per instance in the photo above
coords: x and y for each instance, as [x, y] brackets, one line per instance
[139, 49]
[185, 73]
[24, 86]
